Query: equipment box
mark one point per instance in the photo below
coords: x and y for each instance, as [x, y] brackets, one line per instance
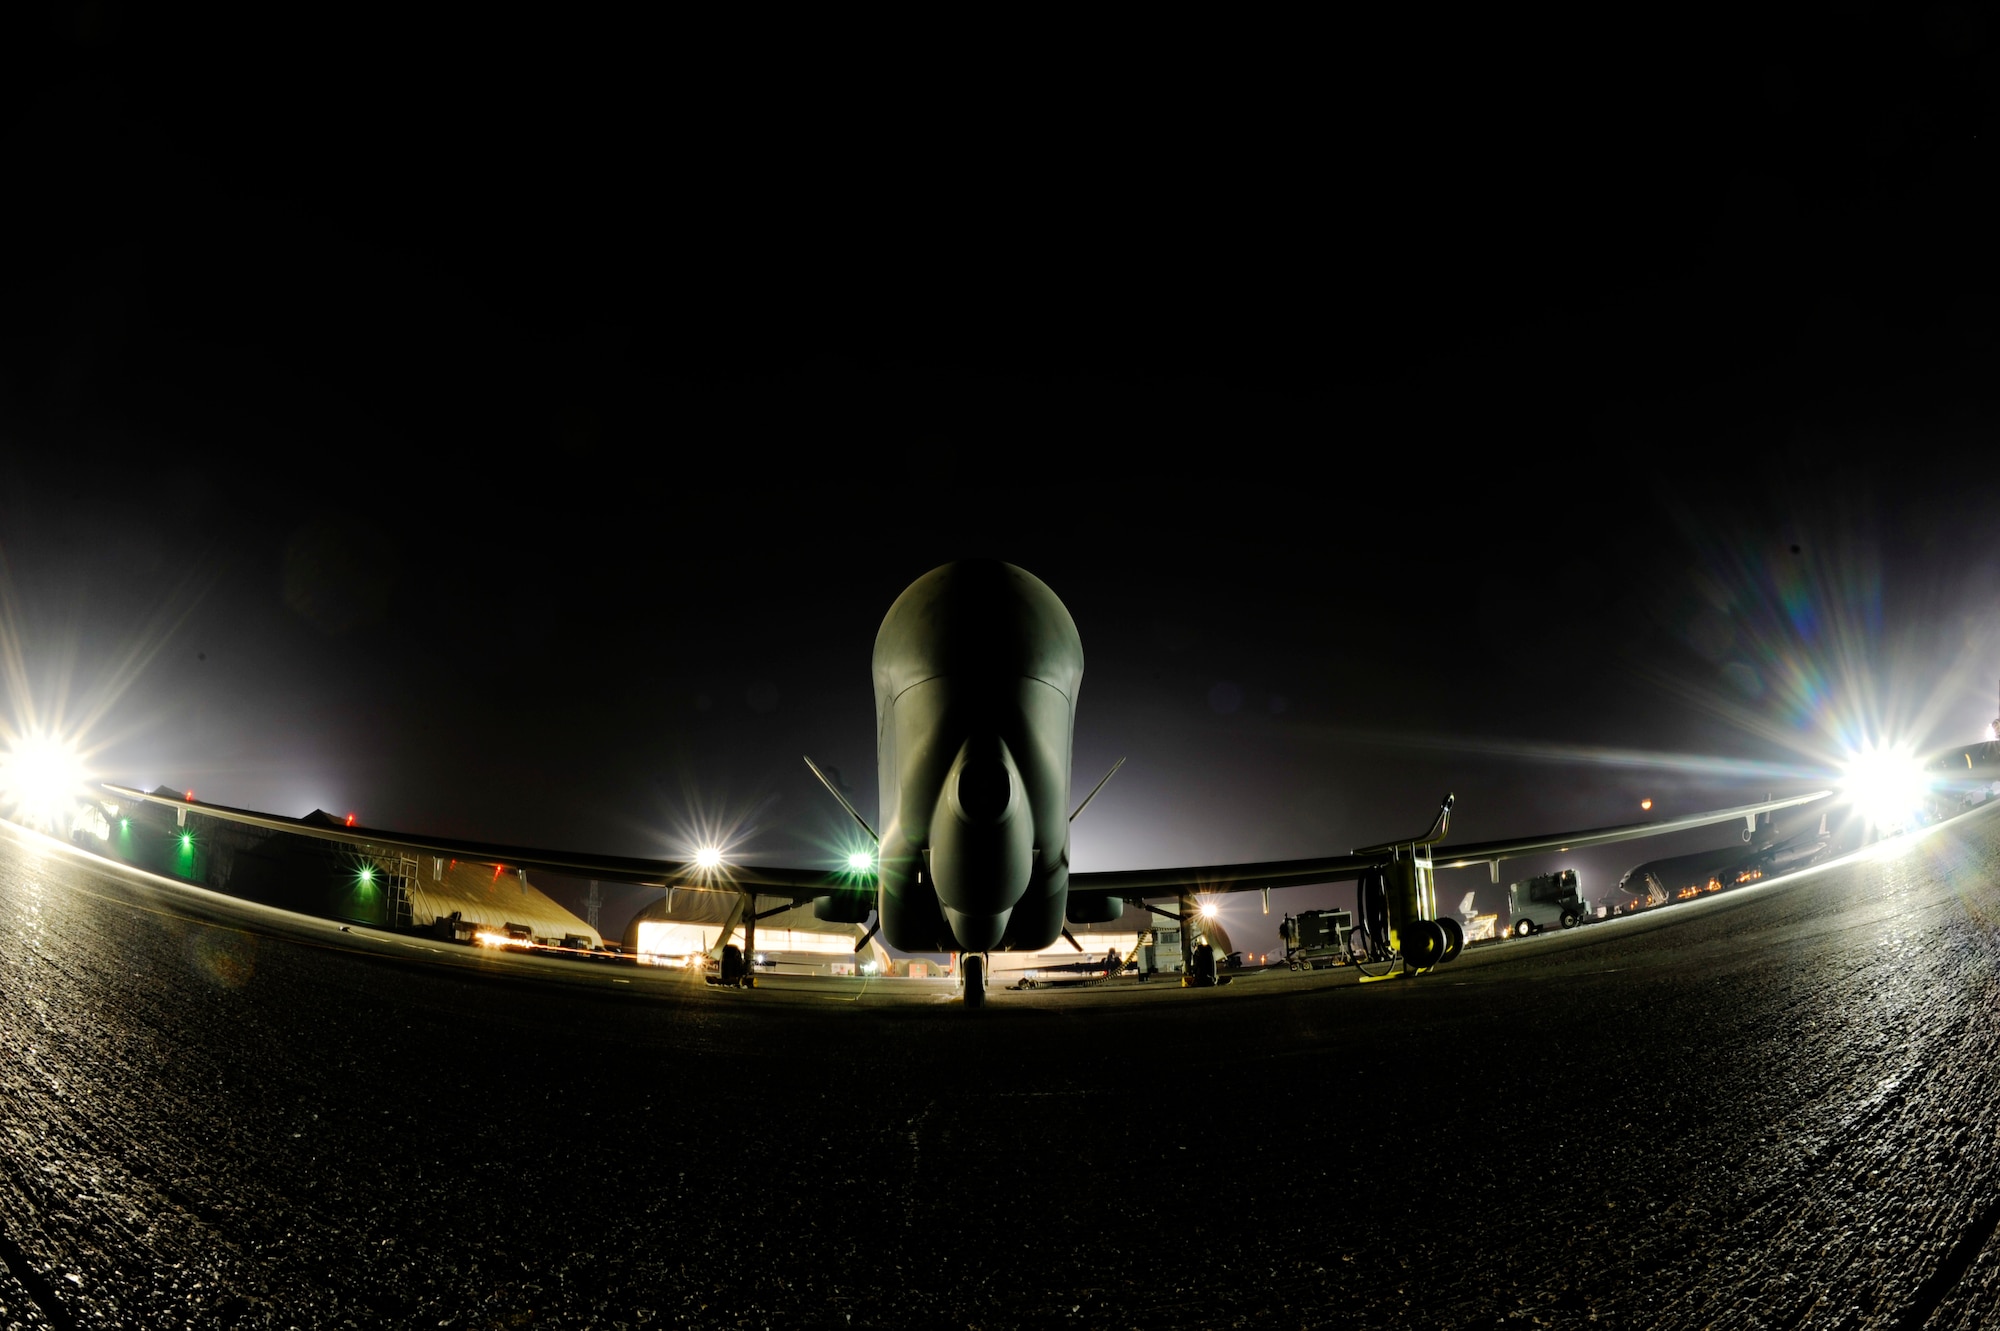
[1316, 938]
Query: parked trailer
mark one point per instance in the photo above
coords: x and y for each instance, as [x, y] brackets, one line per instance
[1316, 938]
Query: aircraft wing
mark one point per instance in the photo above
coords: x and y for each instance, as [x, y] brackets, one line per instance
[1139, 883]
[1492, 852]
[1223, 877]
[799, 884]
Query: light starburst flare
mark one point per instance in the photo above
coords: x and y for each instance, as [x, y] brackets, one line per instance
[42, 781]
[1887, 785]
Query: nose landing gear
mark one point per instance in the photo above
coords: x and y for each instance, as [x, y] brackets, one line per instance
[974, 971]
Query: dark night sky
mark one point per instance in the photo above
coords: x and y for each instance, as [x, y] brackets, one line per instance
[520, 433]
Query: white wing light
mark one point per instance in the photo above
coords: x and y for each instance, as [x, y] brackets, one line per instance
[1887, 786]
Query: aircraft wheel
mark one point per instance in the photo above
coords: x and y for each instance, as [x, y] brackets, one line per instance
[1522, 928]
[1204, 966]
[975, 982]
[1454, 937]
[1569, 919]
[732, 965]
[1423, 944]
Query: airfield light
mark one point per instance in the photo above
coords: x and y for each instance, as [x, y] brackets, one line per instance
[861, 861]
[1646, 804]
[41, 780]
[708, 857]
[1885, 785]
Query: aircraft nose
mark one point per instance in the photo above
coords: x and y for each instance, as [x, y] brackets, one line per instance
[977, 933]
[985, 789]
[983, 785]
[982, 841]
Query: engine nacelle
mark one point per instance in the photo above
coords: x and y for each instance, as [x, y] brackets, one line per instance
[1094, 909]
[844, 907]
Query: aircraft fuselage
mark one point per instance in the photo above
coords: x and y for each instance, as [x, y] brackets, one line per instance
[976, 666]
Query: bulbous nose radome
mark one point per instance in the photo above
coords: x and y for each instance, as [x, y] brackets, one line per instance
[984, 790]
[982, 845]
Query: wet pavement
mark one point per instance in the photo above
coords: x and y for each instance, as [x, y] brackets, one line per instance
[1774, 1108]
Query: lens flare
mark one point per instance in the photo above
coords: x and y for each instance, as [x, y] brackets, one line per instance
[1887, 786]
[42, 780]
[708, 858]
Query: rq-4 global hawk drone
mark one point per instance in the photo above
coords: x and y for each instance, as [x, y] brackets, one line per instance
[976, 671]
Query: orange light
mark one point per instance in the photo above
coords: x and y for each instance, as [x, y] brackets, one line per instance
[1645, 804]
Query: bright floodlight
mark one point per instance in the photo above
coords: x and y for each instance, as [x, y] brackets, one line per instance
[41, 781]
[1886, 786]
[1208, 909]
[860, 861]
[708, 857]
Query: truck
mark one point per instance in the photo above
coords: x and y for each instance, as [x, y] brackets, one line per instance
[1316, 938]
[1534, 904]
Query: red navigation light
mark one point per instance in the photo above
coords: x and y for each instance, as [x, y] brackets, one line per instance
[190, 797]
[350, 820]
[496, 871]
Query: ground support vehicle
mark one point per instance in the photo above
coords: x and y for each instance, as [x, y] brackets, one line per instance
[1316, 938]
[1547, 900]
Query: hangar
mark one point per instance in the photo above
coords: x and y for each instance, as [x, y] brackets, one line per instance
[689, 924]
[1151, 934]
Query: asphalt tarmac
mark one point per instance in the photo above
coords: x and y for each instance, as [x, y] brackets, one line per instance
[1773, 1108]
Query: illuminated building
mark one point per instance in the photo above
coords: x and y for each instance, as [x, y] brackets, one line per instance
[690, 924]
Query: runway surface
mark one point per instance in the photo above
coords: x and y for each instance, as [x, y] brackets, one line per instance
[1775, 1108]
